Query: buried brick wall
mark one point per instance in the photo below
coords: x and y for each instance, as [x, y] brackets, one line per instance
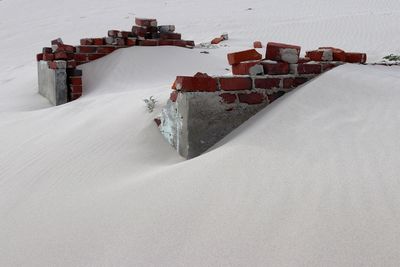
[202, 109]
[60, 57]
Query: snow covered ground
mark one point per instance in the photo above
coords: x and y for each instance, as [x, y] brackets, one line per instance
[312, 180]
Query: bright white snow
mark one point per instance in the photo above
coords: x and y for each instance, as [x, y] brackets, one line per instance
[312, 180]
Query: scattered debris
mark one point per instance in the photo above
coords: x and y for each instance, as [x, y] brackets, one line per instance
[218, 40]
[257, 44]
[206, 46]
[150, 103]
[225, 36]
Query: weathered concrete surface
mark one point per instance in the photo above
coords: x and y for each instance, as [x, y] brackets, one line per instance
[53, 83]
[198, 120]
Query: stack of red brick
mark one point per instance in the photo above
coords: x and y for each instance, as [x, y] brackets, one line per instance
[260, 81]
[146, 32]
[285, 59]
[62, 56]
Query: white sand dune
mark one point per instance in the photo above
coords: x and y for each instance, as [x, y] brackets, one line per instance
[312, 180]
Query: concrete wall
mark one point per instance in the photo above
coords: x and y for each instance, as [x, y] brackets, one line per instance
[53, 83]
[198, 120]
[192, 122]
[204, 109]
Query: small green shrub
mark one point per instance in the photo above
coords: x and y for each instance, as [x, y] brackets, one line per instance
[392, 57]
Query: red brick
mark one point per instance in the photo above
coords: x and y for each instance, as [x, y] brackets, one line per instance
[189, 43]
[149, 42]
[96, 56]
[180, 43]
[174, 96]
[86, 41]
[86, 49]
[130, 41]
[65, 48]
[257, 44]
[320, 55]
[309, 68]
[57, 41]
[113, 33]
[278, 68]
[228, 98]
[48, 56]
[170, 36]
[274, 96]
[125, 34]
[157, 121]
[39, 57]
[300, 80]
[236, 83]
[280, 52]
[288, 82]
[71, 64]
[356, 58]
[98, 41]
[243, 68]
[70, 56]
[80, 57]
[166, 42]
[75, 80]
[52, 65]
[267, 83]
[61, 55]
[75, 96]
[328, 66]
[217, 40]
[81, 62]
[47, 50]
[199, 82]
[76, 89]
[145, 22]
[247, 55]
[139, 31]
[252, 98]
[105, 49]
[338, 54]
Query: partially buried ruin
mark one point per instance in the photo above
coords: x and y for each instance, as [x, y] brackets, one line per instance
[202, 109]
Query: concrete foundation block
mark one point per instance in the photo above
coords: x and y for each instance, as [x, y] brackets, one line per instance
[198, 120]
[53, 83]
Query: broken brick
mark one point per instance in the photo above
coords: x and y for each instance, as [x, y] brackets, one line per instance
[257, 44]
[144, 22]
[199, 82]
[217, 40]
[247, 55]
[283, 52]
[243, 68]
[356, 58]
